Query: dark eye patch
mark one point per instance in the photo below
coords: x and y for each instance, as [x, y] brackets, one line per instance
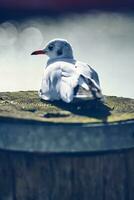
[50, 47]
[59, 52]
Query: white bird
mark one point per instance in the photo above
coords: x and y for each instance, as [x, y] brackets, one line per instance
[63, 75]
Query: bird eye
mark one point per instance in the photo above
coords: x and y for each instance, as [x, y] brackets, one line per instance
[59, 52]
[50, 47]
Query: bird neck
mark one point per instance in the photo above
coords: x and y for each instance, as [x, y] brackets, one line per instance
[66, 59]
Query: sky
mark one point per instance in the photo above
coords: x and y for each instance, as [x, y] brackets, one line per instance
[102, 39]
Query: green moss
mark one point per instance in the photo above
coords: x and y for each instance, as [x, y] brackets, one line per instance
[27, 105]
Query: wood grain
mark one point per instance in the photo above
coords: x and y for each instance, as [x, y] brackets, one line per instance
[99, 176]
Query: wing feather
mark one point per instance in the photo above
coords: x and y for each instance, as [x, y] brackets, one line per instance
[89, 80]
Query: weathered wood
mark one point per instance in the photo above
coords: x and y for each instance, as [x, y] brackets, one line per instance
[87, 177]
[99, 176]
[6, 178]
[130, 173]
[27, 105]
[66, 156]
[33, 136]
[114, 175]
[40, 177]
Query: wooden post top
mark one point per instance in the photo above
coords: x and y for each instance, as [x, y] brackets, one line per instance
[40, 137]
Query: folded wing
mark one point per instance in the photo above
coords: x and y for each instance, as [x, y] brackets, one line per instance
[60, 80]
[89, 78]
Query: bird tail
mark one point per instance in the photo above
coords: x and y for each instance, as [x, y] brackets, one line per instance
[92, 89]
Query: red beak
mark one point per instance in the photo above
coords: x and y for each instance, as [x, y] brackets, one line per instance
[38, 52]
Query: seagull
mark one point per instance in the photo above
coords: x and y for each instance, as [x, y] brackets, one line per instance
[64, 77]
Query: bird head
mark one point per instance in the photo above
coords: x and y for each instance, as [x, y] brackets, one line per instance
[57, 48]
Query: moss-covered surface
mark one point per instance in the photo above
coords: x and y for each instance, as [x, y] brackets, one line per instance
[27, 105]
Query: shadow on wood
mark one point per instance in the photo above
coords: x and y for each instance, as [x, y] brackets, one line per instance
[89, 108]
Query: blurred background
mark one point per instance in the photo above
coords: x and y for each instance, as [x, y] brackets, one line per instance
[100, 31]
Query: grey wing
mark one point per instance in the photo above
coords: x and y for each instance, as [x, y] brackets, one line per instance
[93, 83]
[90, 77]
[94, 75]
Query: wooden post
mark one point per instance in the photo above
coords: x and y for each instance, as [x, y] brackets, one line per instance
[40, 161]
